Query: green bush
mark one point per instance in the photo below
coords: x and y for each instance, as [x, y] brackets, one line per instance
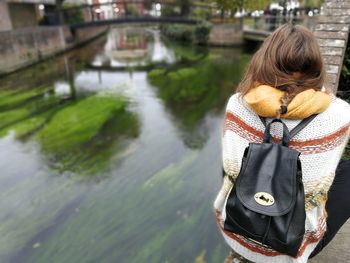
[344, 88]
[198, 34]
[344, 81]
[178, 32]
[201, 33]
[131, 10]
[170, 11]
[72, 16]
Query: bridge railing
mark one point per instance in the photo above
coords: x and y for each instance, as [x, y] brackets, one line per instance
[121, 9]
[269, 23]
[136, 9]
[78, 13]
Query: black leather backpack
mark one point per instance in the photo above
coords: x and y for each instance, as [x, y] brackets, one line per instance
[267, 202]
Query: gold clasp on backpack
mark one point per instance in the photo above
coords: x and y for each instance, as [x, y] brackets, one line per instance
[263, 198]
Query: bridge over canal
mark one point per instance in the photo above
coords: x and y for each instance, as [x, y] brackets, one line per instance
[331, 27]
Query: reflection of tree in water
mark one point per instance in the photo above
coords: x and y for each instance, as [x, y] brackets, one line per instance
[190, 92]
[75, 134]
[128, 47]
[187, 54]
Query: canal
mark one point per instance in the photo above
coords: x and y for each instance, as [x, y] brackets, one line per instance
[111, 152]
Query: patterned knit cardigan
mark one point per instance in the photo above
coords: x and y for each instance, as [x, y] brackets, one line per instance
[321, 145]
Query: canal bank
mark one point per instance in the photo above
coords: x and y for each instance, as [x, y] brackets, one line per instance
[23, 47]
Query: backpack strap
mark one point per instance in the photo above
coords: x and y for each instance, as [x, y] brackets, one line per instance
[263, 120]
[286, 135]
[301, 125]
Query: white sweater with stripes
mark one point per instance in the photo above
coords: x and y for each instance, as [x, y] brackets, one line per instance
[321, 144]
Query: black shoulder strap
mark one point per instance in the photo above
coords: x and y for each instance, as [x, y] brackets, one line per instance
[263, 120]
[301, 125]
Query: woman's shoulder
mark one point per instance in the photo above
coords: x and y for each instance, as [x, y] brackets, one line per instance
[236, 102]
[338, 109]
[239, 107]
[340, 103]
[233, 99]
[334, 121]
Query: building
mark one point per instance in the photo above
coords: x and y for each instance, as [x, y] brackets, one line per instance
[109, 9]
[21, 13]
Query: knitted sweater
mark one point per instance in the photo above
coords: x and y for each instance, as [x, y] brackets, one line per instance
[321, 144]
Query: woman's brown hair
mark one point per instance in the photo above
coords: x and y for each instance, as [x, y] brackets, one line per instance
[289, 59]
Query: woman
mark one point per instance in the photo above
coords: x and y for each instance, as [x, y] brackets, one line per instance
[285, 80]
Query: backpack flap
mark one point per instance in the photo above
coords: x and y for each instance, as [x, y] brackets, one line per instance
[267, 181]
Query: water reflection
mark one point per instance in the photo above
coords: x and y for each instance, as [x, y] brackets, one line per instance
[130, 47]
[109, 164]
[192, 92]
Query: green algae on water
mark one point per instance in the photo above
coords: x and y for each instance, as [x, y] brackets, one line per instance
[83, 136]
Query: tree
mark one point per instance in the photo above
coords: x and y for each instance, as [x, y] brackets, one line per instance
[59, 11]
[312, 3]
[240, 4]
[185, 7]
[257, 4]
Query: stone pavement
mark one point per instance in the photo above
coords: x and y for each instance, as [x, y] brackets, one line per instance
[338, 250]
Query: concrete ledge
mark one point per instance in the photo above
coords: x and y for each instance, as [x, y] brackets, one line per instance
[337, 250]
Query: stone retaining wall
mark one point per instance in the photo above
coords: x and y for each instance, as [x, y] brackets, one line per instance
[332, 32]
[22, 47]
[225, 35]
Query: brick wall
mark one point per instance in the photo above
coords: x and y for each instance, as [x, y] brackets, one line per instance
[332, 32]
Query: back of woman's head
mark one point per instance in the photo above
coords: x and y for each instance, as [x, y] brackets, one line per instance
[289, 59]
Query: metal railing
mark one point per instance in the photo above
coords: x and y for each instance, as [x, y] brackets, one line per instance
[269, 23]
[137, 10]
[123, 9]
